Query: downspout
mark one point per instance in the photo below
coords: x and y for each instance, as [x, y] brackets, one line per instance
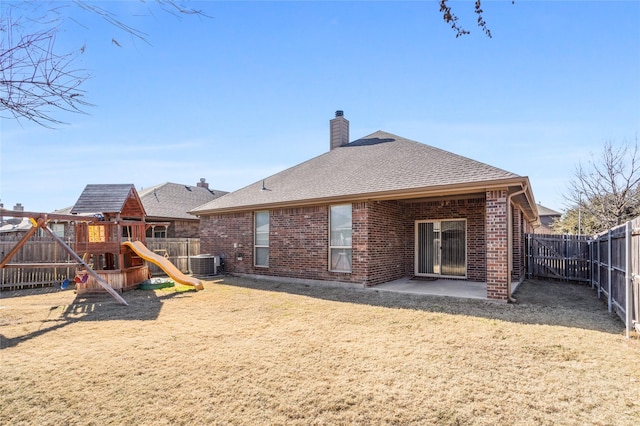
[510, 241]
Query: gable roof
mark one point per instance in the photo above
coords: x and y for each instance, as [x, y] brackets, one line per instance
[546, 211]
[173, 201]
[378, 166]
[109, 198]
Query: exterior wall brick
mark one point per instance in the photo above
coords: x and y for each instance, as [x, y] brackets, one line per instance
[518, 261]
[496, 234]
[472, 209]
[229, 236]
[386, 244]
[298, 243]
[383, 243]
[184, 229]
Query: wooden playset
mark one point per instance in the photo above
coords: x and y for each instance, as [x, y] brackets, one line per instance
[110, 228]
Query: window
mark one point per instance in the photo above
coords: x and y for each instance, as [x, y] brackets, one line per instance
[261, 238]
[340, 238]
[441, 248]
[57, 229]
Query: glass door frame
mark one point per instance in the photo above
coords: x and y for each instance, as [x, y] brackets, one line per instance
[438, 255]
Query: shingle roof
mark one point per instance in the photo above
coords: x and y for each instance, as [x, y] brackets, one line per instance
[107, 198]
[173, 200]
[376, 164]
[546, 211]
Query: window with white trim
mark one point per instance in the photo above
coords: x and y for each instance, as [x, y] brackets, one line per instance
[340, 230]
[261, 239]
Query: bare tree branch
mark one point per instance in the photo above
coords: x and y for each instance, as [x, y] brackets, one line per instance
[37, 81]
[452, 19]
[34, 80]
[606, 189]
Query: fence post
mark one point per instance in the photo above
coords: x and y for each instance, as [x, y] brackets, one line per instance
[189, 256]
[599, 267]
[610, 269]
[529, 264]
[565, 256]
[591, 273]
[628, 279]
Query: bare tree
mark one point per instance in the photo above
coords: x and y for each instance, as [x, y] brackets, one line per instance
[452, 19]
[37, 80]
[605, 191]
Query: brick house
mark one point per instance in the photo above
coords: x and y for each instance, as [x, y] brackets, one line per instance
[167, 206]
[375, 210]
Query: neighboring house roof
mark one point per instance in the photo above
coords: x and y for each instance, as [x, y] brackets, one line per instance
[378, 166]
[19, 225]
[107, 198]
[547, 218]
[173, 201]
[546, 211]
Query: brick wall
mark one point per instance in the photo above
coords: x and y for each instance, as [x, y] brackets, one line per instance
[517, 265]
[386, 243]
[229, 236]
[184, 229]
[298, 243]
[383, 243]
[496, 234]
[473, 210]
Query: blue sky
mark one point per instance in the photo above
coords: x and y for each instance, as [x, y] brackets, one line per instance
[250, 92]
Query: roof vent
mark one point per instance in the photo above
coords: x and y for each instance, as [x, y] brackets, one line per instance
[339, 113]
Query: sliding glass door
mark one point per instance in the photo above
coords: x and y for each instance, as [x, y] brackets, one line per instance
[441, 248]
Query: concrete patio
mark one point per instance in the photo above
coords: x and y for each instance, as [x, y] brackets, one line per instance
[436, 287]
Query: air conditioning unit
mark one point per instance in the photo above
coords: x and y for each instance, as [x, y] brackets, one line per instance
[203, 265]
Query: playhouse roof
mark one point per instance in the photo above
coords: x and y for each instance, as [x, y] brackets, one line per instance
[110, 199]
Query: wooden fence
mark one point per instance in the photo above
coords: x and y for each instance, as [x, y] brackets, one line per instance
[615, 269]
[559, 257]
[44, 250]
[609, 262]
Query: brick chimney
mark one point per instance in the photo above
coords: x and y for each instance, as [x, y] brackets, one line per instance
[202, 183]
[339, 127]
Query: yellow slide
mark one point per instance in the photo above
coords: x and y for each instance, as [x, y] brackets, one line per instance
[168, 267]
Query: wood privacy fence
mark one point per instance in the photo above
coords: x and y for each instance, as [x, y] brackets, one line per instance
[559, 257]
[615, 271]
[609, 262]
[43, 251]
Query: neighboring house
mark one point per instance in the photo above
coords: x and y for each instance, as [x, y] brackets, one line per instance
[14, 228]
[167, 206]
[375, 210]
[547, 217]
[65, 229]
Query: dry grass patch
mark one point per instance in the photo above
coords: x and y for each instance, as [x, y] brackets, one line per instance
[253, 352]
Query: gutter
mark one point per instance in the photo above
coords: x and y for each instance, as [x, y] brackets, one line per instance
[402, 194]
[510, 240]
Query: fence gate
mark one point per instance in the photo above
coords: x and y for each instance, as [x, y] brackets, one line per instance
[559, 257]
